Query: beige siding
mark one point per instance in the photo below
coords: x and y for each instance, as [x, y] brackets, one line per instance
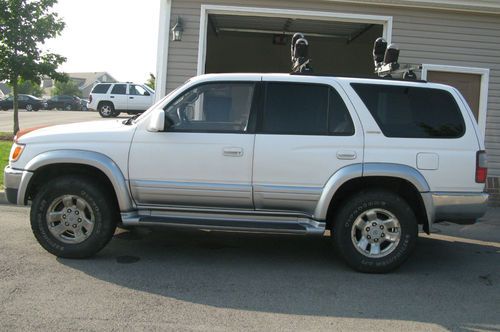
[424, 36]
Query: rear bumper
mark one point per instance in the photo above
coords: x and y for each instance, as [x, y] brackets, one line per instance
[462, 208]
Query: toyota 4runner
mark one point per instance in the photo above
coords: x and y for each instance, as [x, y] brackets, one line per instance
[367, 159]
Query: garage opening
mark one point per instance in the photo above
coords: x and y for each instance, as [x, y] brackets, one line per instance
[238, 43]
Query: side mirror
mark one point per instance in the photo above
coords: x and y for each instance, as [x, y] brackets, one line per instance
[146, 93]
[157, 121]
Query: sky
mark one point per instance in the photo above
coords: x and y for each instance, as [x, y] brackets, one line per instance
[116, 36]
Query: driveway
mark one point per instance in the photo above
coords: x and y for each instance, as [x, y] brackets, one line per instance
[185, 281]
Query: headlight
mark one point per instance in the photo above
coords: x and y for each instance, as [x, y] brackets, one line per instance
[16, 151]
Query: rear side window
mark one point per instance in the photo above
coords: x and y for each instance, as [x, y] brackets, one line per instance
[101, 88]
[411, 112]
[296, 109]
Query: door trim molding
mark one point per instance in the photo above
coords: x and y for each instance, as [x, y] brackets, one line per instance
[385, 21]
[483, 94]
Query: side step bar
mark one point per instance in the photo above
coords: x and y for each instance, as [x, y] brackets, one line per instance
[227, 222]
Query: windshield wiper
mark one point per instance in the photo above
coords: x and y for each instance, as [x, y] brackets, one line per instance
[131, 119]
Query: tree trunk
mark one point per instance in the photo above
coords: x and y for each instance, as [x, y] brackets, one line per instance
[16, 105]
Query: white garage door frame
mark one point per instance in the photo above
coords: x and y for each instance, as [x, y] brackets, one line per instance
[483, 94]
[385, 21]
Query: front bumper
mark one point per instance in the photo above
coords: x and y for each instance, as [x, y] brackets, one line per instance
[461, 208]
[16, 182]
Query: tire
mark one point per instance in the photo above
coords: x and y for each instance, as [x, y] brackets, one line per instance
[84, 217]
[374, 231]
[28, 107]
[106, 109]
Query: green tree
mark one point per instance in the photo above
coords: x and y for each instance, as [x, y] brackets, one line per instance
[68, 88]
[25, 25]
[29, 88]
[151, 81]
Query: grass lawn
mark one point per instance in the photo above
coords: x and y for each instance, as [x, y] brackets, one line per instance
[4, 158]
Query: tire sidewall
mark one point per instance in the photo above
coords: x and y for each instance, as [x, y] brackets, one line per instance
[104, 220]
[111, 113]
[358, 205]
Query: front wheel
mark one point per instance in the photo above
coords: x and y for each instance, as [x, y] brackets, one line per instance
[375, 231]
[72, 217]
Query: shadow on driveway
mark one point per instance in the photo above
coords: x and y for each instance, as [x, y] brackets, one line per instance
[453, 284]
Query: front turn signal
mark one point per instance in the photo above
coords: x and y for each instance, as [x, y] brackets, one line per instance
[16, 151]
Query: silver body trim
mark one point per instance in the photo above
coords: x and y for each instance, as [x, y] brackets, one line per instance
[405, 172]
[458, 206]
[17, 179]
[288, 198]
[219, 221]
[334, 183]
[90, 158]
[192, 193]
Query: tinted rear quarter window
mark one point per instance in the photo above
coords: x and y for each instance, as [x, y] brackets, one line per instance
[412, 112]
[101, 88]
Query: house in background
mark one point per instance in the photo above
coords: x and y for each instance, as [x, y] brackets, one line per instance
[457, 42]
[4, 89]
[84, 81]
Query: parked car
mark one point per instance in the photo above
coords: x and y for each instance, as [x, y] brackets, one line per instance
[110, 99]
[84, 105]
[67, 103]
[367, 159]
[27, 102]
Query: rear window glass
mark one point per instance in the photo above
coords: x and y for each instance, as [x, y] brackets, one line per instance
[411, 112]
[101, 88]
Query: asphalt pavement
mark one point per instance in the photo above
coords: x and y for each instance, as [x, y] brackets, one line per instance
[193, 280]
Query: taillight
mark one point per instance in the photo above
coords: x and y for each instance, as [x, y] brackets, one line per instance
[481, 167]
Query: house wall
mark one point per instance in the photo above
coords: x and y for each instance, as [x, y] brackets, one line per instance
[423, 35]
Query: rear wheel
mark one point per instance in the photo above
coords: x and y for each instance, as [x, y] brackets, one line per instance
[73, 217]
[106, 110]
[375, 231]
[29, 107]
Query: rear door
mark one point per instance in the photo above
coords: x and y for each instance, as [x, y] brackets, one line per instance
[307, 131]
[119, 97]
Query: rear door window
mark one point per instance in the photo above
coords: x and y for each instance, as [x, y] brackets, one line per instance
[119, 89]
[412, 112]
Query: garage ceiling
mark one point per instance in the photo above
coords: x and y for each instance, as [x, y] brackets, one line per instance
[278, 25]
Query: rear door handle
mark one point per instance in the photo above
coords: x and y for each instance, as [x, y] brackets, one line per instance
[232, 152]
[131, 97]
[111, 97]
[346, 155]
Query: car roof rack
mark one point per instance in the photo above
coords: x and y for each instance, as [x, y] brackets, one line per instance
[385, 58]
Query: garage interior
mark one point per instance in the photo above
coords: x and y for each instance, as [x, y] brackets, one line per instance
[262, 44]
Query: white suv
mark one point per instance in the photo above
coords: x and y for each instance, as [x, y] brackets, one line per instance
[110, 99]
[368, 159]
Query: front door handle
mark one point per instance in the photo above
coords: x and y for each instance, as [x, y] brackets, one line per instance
[346, 155]
[232, 152]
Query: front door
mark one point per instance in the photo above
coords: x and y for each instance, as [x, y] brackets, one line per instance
[306, 134]
[205, 157]
[139, 99]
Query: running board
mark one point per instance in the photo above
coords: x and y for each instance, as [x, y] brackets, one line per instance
[226, 222]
